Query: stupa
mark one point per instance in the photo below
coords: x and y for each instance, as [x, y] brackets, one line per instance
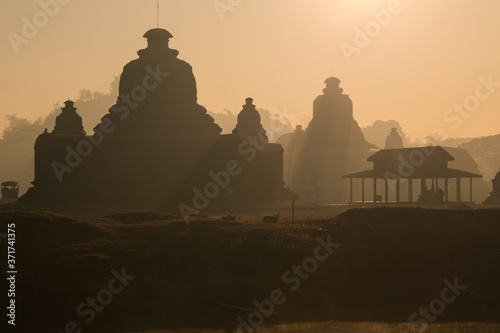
[158, 95]
[331, 145]
[394, 140]
[69, 122]
[249, 123]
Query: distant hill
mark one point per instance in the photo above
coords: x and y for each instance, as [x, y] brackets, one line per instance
[486, 153]
[455, 142]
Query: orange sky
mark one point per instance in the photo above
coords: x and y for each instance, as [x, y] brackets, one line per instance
[429, 57]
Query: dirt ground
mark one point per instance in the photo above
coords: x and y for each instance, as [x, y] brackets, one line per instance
[209, 274]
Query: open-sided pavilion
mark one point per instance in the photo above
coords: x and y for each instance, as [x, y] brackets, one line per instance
[394, 166]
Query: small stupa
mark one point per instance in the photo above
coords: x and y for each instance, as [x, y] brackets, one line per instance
[394, 140]
[69, 122]
[249, 123]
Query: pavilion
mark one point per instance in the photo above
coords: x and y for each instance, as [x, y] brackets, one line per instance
[394, 166]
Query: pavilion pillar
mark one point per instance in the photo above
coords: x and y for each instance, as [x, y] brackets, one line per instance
[398, 190]
[410, 190]
[350, 193]
[374, 190]
[362, 190]
[470, 189]
[460, 183]
[446, 189]
[386, 190]
[459, 199]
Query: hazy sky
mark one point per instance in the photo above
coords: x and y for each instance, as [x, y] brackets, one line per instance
[427, 57]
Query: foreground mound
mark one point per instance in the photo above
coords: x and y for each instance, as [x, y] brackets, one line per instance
[372, 265]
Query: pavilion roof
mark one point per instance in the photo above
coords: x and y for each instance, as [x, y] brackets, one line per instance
[418, 174]
[394, 154]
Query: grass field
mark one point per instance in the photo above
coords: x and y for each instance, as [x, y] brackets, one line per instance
[207, 274]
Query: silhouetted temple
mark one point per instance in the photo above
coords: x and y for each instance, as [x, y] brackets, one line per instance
[332, 144]
[157, 147]
[494, 198]
[395, 166]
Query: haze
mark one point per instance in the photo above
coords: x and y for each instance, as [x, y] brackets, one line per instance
[429, 57]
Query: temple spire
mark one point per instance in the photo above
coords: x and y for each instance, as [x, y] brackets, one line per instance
[249, 123]
[69, 122]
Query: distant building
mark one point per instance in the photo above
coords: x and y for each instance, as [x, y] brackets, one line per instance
[429, 165]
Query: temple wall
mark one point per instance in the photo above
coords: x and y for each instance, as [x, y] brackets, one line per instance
[161, 172]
